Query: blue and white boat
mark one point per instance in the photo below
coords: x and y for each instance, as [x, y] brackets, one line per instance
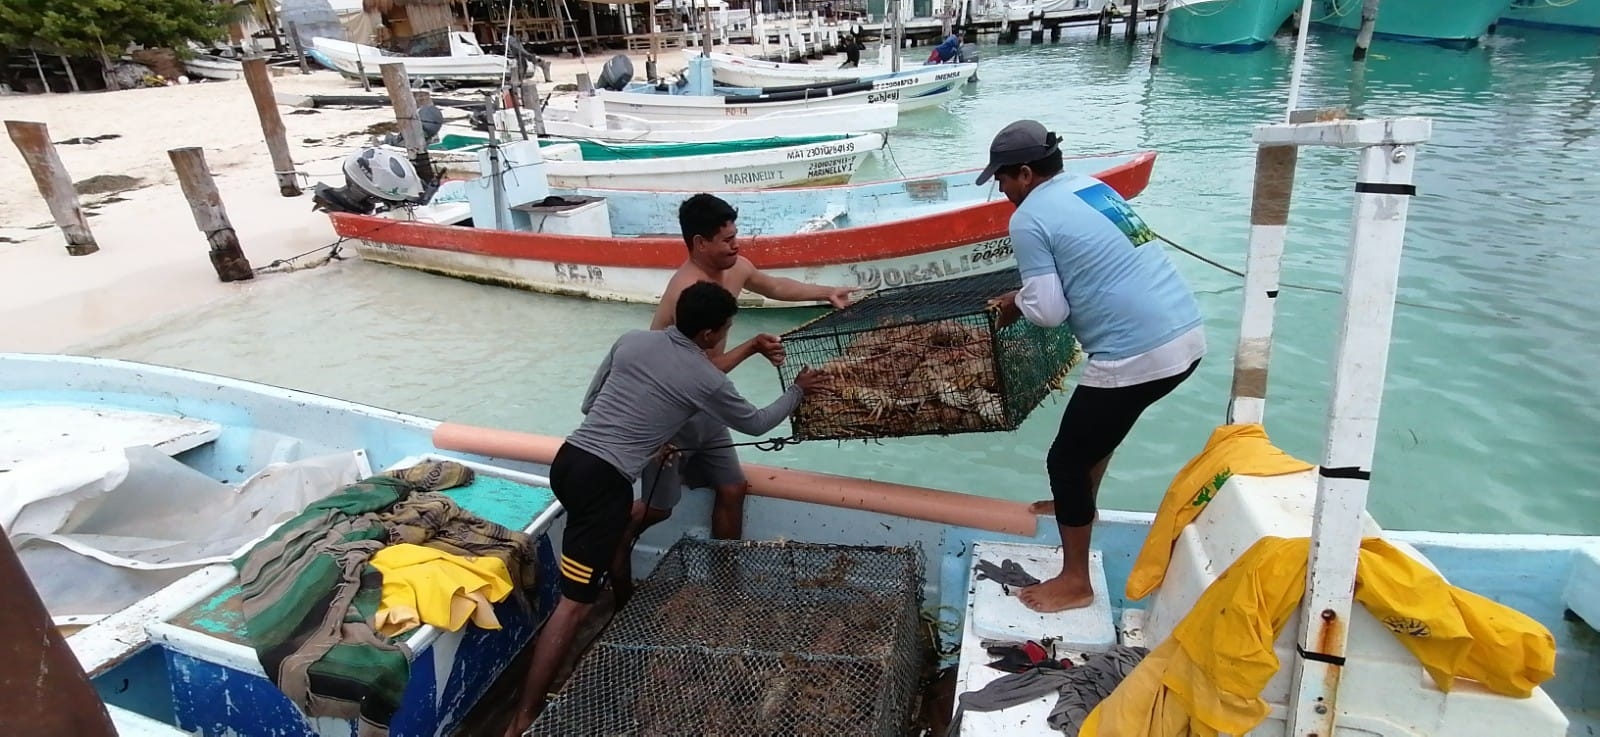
[694, 96]
[171, 662]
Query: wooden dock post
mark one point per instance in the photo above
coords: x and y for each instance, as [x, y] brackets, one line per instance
[255, 75]
[1369, 21]
[209, 214]
[398, 83]
[43, 689]
[299, 51]
[1161, 33]
[1133, 20]
[33, 140]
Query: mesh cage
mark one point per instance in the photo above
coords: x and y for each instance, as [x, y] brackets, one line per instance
[755, 638]
[925, 359]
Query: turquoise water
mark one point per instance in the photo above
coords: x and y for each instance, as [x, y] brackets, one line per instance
[1489, 417]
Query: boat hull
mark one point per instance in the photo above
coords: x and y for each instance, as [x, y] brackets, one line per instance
[952, 242]
[211, 67]
[355, 61]
[1416, 20]
[741, 71]
[933, 87]
[804, 164]
[1227, 25]
[615, 127]
[1525, 571]
[1577, 15]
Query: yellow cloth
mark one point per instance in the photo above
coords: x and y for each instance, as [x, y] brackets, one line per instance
[1208, 676]
[1232, 450]
[422, 585]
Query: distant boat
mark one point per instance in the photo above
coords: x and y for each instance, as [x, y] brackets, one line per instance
[212, 66]
[694, 97]
[761, 163]
[590, 119]
[1227, 25]
[1456, 23]
[1563, 15]
[467, 61]
[622, 245]
[734, 70]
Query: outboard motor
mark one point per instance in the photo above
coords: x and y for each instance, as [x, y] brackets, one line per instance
[373, 177]
[432, 121]
[616, 74]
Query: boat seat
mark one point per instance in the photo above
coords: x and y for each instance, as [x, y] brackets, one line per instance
[994, 613]
[1582, 596]
[33, 431]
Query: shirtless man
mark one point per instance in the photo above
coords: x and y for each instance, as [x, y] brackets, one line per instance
[711, 235]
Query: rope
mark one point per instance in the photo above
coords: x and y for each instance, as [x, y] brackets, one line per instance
[1325, 290]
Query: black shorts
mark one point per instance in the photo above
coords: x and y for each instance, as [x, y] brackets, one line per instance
[597, 498]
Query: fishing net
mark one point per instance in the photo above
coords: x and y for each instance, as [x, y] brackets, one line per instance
[755, 638]
[925, 359]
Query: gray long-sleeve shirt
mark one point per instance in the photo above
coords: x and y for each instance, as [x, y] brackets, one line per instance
[648, 387]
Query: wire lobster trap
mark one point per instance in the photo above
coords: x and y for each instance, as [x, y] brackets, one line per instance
[756, 638]
[926, 359]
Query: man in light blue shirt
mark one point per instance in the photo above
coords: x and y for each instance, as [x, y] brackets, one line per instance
[1086, 259]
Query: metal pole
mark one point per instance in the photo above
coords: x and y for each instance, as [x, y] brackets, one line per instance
[1299, 59]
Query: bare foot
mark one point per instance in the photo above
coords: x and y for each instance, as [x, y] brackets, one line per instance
[1057, 595]
[1047, 506]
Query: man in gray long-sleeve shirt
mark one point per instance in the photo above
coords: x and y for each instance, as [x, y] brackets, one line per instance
[648, 386]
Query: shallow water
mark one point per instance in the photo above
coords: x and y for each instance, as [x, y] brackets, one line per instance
[1489, 416]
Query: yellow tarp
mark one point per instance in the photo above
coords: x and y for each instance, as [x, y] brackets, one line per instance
[1242, 450]
[1208, 676]
[426, 586]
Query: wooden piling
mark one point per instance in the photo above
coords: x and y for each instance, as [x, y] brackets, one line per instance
[43, 689]
[1369, 21]
[209, 215]
[1161, 33]
[255, 75]
[398, 83]
[33, 140]
[299, 51]
[1133, 20]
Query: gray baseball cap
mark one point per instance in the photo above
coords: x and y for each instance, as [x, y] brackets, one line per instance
[1019, 143]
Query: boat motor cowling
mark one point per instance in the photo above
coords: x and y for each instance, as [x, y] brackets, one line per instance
[372, 177]
[616, 74]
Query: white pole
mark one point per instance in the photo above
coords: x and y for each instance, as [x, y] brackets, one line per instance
[1299, 58]
[1383, 194]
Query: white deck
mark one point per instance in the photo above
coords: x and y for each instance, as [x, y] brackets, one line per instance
[33, 431]
[995, 615]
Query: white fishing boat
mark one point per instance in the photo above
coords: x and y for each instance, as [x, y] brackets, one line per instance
[734, 70]
[467, 61]
[693, 96]
[589, 119]
[1344, 660]
[212, 66]
[748, 164]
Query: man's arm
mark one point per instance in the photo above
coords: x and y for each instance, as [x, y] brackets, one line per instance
[1042, 299]
[599, 380]
[731, 408]
[789, 290]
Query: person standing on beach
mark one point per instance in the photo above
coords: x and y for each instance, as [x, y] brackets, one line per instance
[1086, 260]
[646, 388]
[707, 458]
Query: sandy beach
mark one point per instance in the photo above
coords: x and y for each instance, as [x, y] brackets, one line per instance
[152, 259]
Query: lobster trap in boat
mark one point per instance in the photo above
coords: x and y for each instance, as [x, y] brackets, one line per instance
[926, 359]
[756, 638]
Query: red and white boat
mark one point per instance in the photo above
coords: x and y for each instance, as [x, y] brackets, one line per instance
[623, 245]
